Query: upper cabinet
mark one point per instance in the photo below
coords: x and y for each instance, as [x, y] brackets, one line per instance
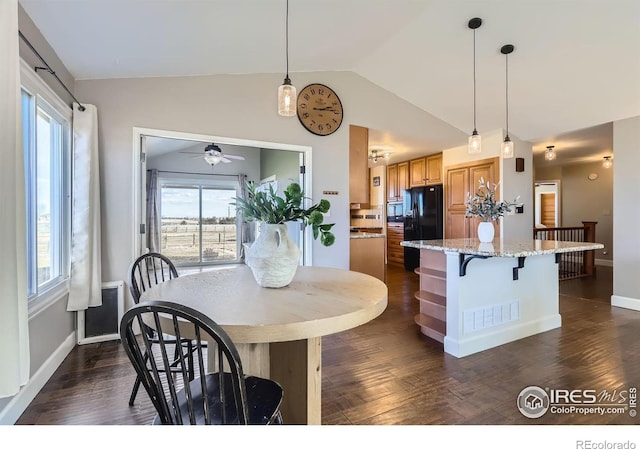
[392, 183]
[425, 171]
[417, 172]
[397, 181]
[403, 178]
[358, 164]
[434, 169]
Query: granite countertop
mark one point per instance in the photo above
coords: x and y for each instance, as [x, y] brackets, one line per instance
[502, 248]
[365, 235]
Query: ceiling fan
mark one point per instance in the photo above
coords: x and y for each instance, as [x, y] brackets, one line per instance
[213, 155]
[376, 155]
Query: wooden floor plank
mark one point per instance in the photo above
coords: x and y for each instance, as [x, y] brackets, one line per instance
[387, 372]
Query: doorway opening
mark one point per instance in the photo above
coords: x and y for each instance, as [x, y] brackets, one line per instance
[183, 201]
[548, 204]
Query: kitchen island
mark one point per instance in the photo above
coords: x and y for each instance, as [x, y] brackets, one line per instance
[475, 296]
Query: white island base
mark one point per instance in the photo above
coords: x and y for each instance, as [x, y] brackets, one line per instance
[475, 297]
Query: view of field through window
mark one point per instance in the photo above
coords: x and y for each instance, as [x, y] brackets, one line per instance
[198, 224]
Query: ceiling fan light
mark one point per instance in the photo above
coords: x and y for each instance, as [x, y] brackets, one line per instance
[607, 163]
[287, 99]
[475, 143]
[507, 148]
[212, 159]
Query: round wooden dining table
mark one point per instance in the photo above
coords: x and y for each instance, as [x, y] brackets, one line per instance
[278, 331]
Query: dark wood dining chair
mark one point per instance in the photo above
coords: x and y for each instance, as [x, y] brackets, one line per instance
[146, 271]
[219, 394]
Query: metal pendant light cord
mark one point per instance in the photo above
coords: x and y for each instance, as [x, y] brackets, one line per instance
[287, 38]
[474, 81]
[507, 90]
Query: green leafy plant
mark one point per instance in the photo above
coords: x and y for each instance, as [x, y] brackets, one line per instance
[484, 205]
[268, 207]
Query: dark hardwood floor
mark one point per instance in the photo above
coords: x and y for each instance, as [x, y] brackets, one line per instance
[387, 372]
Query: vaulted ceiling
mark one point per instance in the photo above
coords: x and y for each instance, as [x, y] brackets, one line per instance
[576, 64]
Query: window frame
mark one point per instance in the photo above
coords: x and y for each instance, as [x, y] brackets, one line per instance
[200, 183]
[42, 97]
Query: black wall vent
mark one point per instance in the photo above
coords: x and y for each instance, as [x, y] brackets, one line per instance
[102, 323]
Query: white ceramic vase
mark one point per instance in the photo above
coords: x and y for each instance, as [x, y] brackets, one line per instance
[273, 257]
[486, 231]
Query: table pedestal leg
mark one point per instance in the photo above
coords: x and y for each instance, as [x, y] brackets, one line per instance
[255, 359]
[296, 365]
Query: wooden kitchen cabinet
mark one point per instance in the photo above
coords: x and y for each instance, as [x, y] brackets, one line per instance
[392, 183]
[395, 252]
[425, 170]
[358, 164]
[397, 181]
[417, 172]
[433, 169]
[367, 256]
[403, 179]
[463, 179]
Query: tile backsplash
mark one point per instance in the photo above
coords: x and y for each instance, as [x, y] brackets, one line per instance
[367, 218]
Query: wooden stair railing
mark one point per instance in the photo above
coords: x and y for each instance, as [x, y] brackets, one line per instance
[574, 264]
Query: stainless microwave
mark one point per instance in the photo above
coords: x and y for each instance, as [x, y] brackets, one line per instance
[394, 211]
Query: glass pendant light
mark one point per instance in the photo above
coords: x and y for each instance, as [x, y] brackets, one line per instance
[550, 154]
[287, 95]
[475, 140]
[507, 144]
[607, 163]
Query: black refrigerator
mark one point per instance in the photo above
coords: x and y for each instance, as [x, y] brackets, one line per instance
[423, 219]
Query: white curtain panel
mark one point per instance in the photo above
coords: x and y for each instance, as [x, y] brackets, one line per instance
[85, 289]
[14, 334]
[153, 215]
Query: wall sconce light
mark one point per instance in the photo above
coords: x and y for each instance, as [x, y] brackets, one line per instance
[550, 154]
[607, 163]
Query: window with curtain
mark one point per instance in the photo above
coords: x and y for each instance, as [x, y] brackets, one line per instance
[47, 156]
[198, 221]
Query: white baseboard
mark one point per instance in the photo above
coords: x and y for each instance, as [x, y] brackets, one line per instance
[604, 262]
[19, 403]
[627, 303]
[511, 332]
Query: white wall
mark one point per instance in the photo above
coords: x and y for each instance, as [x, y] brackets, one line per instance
[513, 184]
[626, 203]
[240, 106]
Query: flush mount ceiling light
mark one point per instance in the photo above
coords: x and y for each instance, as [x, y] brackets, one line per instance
[287, 91]
[607, 163]
[475, 141]
[550, 154]
[507, 144]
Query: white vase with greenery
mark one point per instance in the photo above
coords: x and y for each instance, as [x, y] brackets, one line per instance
[484, 205]
[274, 257]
